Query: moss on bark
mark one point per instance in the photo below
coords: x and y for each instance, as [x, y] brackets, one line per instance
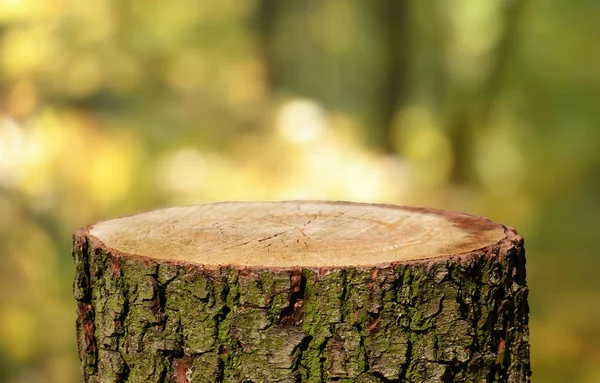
[452, 319]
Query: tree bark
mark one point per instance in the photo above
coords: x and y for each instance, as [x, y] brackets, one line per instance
[301, 292]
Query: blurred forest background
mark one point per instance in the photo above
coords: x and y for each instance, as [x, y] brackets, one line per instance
[114, 107]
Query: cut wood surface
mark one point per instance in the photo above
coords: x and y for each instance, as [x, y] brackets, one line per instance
[301, 291]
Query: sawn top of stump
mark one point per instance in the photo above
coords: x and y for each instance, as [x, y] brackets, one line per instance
[296, 234]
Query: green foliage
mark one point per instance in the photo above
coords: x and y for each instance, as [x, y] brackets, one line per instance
[110, 108]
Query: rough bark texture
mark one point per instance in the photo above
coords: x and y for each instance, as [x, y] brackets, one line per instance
[451, 319]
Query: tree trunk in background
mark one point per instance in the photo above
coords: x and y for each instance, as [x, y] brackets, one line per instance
[396, 20]
[264, 25]
[469, 113]
[439, 313]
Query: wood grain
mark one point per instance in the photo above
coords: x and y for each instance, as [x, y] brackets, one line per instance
[296, 234]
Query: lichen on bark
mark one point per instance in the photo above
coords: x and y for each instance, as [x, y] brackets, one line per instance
[453, 319]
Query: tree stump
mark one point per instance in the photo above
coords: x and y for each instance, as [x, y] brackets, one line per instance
[301, 292]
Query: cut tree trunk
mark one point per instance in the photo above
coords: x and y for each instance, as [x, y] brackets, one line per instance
[301, 292]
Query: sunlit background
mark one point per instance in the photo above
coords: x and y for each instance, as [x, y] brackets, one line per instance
[114, 107]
